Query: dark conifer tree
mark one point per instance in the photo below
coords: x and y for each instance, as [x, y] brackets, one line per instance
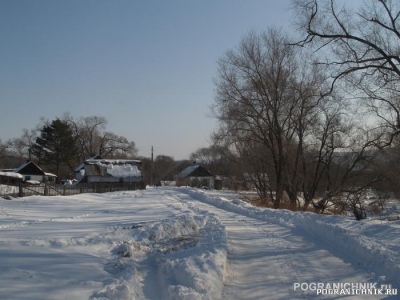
[56, 145]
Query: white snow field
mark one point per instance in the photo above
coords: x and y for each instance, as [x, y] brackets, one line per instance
[184, 243]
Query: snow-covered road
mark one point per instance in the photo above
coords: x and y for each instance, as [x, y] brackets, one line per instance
[266, 259]
[183, 243]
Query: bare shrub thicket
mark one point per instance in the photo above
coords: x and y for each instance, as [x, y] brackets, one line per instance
[294, 138]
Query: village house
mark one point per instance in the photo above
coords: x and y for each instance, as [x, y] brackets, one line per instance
[80, 170]
[95, 170]
[196, 176]
[30, 173]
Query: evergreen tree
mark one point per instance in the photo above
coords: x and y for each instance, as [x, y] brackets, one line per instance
[56, 145]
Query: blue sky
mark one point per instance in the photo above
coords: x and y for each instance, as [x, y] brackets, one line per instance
[147, 66]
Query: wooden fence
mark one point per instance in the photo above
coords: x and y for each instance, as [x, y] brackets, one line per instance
[99, 187]
[23, 189]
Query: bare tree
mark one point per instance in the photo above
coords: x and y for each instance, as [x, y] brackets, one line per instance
[23, 145]
[390, 166]
[276, 115]
[88, 129]
[215, 158]
[360, 48]
[163, 168]
[93, 139]
[322, 138]
[112, 145]
[256, 165]
[261, 97]
[5, 151]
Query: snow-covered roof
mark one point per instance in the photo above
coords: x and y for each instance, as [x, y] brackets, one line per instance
[113, 161]
[123, 171]
[112, 170]
[98, 159]
[50, 174]
[33, 165]
[82, 165]
[11, 174]
[194, 171]
[21, 167]
[187, 171]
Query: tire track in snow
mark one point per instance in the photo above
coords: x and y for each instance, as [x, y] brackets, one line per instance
[28, 223]
[265, 260]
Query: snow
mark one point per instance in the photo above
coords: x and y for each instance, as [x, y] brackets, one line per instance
[114, 161]
[70, 182]
[183, 243]
[50, 174]
[33, 182]
[8, 190]
[11, 175]
[187, 171]
[122, 171]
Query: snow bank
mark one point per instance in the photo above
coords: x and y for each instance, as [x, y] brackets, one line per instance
[188, 263]
[198, 272]
[374, 244]
[121, 245]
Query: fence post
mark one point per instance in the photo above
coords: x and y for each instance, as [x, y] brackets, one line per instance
[20, 189]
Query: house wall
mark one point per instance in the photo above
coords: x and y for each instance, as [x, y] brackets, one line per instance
[92, 179]
[201, 181]
[95, 170]
[9, 180]
[33, 177]
[51, 179]
[80, 174]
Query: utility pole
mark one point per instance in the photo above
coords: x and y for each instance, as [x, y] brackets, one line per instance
[152, 166]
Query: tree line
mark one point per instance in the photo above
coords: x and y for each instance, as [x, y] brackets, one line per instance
[315, 116]
[63, 143]
[300, 118]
